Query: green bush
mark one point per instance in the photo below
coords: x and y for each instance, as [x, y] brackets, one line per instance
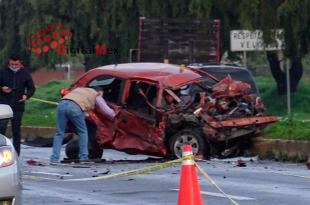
[42, 114]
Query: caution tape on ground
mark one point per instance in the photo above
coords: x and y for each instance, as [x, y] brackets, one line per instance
[213, 183]
[27, 176]
[144, 170]
[44, 101]
[148, 169]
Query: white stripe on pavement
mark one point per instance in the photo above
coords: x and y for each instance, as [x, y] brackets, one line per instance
[240, 198]
[49, 173]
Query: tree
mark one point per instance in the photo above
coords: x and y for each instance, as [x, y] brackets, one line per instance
[116, 24]
[294, 18]
[12, 21]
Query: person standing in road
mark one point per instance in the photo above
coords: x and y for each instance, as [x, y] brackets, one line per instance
[73, 107]
[16, 86]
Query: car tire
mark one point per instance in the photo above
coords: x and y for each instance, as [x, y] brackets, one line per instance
[94, 150]
[191, 137]
[72, 150]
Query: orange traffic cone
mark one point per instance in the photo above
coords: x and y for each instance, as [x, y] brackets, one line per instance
[189, 191]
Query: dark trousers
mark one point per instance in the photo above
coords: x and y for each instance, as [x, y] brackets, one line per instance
[15, 123]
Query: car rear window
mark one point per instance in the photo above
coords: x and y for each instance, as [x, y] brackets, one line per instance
[111, 86]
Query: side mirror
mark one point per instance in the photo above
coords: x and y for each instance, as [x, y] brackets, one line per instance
[6, 112]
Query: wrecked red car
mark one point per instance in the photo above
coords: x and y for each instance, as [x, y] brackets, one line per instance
[162, 107]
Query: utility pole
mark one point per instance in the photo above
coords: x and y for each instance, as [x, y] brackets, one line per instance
[69, 72]
[288, 87]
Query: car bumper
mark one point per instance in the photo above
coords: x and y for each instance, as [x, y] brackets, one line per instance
[10, 181]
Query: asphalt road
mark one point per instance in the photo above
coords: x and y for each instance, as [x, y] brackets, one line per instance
[259, 183]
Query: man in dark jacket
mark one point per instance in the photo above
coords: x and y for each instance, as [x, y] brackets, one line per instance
[16, 86]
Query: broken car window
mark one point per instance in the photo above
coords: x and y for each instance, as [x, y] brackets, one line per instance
[111, 86]
[176, 99]
[137, 102]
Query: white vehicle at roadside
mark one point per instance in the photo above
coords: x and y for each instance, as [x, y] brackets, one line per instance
[10, 182]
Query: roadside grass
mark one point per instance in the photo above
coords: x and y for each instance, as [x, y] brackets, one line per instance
[277, 105]
[297, 127]
[42, 114]
[288, 129]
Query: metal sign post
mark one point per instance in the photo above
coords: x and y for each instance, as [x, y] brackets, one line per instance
[244, 58]
[67, 66]
[133, 57]
[288, 84]
[69, 72]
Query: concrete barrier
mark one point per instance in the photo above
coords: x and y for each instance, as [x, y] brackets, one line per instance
[38, 136]
[30, 133]
[284, 150]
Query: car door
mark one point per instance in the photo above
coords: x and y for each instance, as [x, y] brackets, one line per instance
[138, 123]
[112, 87]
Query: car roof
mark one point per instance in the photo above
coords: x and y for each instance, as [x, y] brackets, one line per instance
[167, 74]
[199, 65]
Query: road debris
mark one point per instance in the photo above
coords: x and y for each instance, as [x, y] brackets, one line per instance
[308, 163]
[33, 162]
[241, 163]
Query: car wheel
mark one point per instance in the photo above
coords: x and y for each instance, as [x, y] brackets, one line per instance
[190, 137]
[72, 150]
[94, 150]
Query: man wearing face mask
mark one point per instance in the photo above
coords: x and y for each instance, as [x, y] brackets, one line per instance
[16, 86]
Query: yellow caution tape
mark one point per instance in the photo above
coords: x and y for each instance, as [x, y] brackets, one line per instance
[213, 183]
[133, 172]
[140, 171]
[44, 101]
[26, 176]
[144, 170]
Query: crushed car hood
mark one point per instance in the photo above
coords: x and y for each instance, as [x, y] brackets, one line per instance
[229, 87]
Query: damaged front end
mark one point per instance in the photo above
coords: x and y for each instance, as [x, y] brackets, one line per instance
[230, 111]
[225, 112]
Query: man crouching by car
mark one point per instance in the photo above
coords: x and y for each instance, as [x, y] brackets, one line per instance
[73, 107]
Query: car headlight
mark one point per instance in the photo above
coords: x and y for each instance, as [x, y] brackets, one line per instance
[6, 156]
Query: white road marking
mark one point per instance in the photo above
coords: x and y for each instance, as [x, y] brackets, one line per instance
[240, 198]
[70, 194]
[291, 175]
[49, 173]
